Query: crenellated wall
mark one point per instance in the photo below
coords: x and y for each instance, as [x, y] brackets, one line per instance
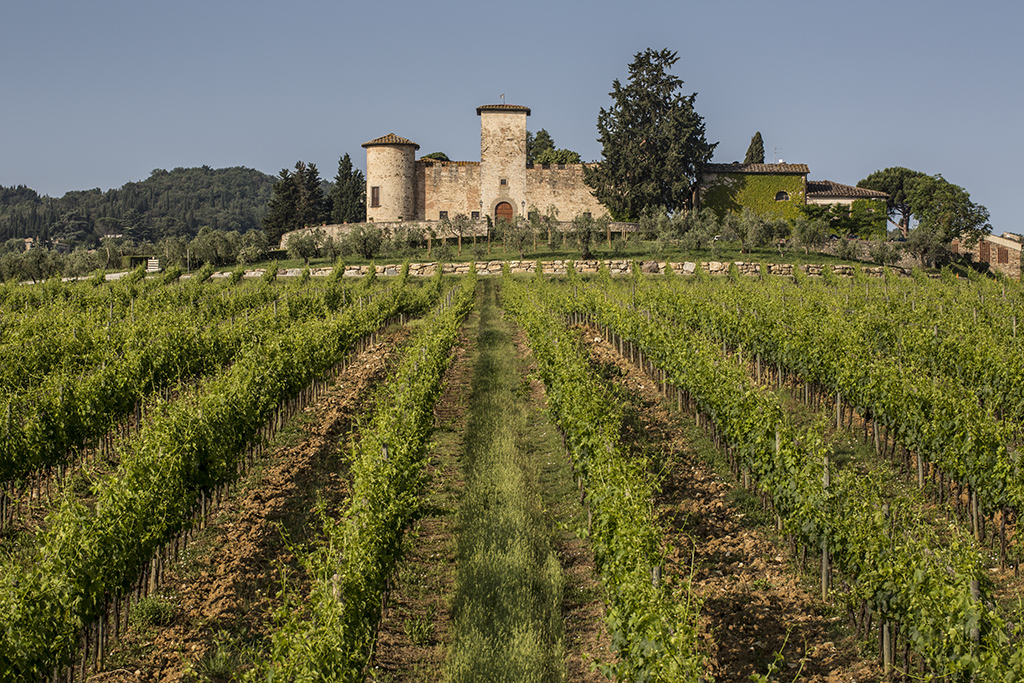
[561, 186]
[452, 186]
[410, 190]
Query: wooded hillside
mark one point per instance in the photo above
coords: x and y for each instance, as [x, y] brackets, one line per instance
[168, 203]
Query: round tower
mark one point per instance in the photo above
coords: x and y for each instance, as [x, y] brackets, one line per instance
[390, 178]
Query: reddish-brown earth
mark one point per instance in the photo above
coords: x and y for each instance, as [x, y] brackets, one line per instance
[225, 588]
[754, 603]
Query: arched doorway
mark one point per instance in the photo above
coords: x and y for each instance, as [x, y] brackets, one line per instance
[503, 211]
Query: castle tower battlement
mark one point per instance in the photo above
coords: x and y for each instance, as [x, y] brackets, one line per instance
[499, 186]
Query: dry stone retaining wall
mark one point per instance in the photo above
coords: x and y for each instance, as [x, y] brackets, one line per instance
[617, 267]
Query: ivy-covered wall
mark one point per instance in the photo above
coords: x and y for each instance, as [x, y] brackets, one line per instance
[731, 192]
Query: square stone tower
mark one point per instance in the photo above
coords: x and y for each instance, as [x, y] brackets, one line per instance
[503, 192]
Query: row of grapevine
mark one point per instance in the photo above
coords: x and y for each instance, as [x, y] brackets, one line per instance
[928, 415]
[330, 635]
[63, 336]
[88, 553]
[927, 588]
[69, 410]
[652, 625]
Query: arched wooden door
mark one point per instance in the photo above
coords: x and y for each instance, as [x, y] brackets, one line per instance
[503, 211]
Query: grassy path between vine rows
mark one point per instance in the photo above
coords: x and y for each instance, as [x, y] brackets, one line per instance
[755, 601]
[495, 586]
[214, 612]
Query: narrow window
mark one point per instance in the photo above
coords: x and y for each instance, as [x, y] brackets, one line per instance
[475, 215]
[374, 196]
[1004, 256]
[504, 181]
[782, 196]
[444, 214]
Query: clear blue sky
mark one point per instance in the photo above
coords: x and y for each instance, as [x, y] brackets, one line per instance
[99, 93]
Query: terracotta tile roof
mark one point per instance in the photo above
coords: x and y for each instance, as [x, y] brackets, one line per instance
[828, 188]
[502, 107]
[757, 168]
[390, 139]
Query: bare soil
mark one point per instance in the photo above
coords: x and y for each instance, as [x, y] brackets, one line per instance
[226, 586]
[755, 604]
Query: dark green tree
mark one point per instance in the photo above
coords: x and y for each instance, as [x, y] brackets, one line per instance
[898, 183]
[558, 156]
[944, 212]
[540, 149]
[652, 139]
[755, 152]
[348, 195]
[537, 143]
[437, 156]
[298, 201]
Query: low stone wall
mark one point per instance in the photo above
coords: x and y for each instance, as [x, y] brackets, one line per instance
[561, 267]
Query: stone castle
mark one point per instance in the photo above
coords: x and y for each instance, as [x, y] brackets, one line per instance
[501, 185]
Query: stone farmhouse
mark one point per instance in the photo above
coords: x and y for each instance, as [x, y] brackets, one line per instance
[1001, 253]
[501, 185]
[774, 189]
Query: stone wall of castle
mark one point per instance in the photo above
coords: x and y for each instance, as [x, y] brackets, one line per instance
[561, 186]
[399, 188]
[449, 186]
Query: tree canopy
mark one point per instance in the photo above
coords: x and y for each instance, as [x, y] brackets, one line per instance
[540, 149]
[537, 143]
[652, 139]
[348, 195]
[298, 201]
[897, 182]
[168, 203]
[755, 152]
[558, 156]
[437, 156]
[943, 211]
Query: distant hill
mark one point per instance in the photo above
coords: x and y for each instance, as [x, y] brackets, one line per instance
[165, 204]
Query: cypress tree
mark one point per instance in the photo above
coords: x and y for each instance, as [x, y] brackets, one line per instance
[348, 195]
[755, 152]
[652, 141]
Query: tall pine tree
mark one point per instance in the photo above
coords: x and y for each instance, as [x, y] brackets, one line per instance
[348, 195]
[755, 152]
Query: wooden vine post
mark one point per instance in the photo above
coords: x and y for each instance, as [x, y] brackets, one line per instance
[826, 480]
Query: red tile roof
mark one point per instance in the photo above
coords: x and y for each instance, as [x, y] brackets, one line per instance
[802, 169]
[390, 139]
[502, 107]
[828, 188]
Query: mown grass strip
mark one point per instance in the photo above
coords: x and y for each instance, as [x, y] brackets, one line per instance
[508, 596]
